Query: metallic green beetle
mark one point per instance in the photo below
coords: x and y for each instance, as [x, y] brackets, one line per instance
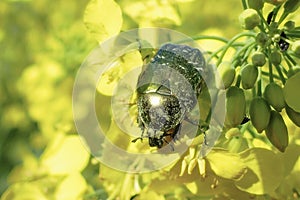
[163, 100]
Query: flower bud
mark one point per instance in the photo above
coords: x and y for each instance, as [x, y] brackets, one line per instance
[256, 4]
[227, 73]
[260, 113]
[274, 95]
[261, 39]
[235, 106]
[249, 19]
[277, 131]
[258, 59]
[291, 6]
[275, 2]
[248, 76]
[293, 115]
[289, 25]
[275, 57]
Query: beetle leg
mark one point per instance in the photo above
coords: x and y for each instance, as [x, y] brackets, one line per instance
[176, 132]
[172, 147]
[142, 126]
[167, 134]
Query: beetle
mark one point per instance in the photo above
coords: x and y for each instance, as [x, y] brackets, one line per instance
[163, 105]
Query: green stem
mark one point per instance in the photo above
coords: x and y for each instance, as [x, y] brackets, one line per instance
[229, 44]
[244, 3]
[294, 31]
[284, 70]
[264, 22]
[254, 92]
[202, 37]
[215, 53]
[259, 93]
[282, 17]
[277, 67]
[288, 57]
[249, 50]
[246, 47]
[293, 35]
[275, 12]
[207, 37]
[244, 128]
[271, 78]
[238, 81]
[251, 131]
[268, 75]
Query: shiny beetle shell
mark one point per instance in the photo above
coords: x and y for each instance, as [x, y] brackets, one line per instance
[160, 112]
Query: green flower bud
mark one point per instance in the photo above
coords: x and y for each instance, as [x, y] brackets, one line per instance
[248, 76]
[258, 59]
[256, 4]
[276, 38]
[291, 92]
[277, 131]
[235, 106]
[274, 95]
[261, 39]
[249, 19]
[275, 2]
[291, 6]
[260, 113]
[293, 115]
[289, 25]
[296, 47]
[273, 27]
[227, 73]
[275, 57]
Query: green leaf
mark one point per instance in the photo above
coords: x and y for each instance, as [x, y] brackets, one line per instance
[65, 155]
[103, 18]
[265, 171]
[225, 164]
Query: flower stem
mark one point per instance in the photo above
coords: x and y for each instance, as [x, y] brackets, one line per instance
[259, 93]
[241, 50]
[264, 22]
[202, 37]
[289, 58]
[207, 37]
[238, 81]
[278, 69]
[244, 3]
[271, 72]
[229, 44]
